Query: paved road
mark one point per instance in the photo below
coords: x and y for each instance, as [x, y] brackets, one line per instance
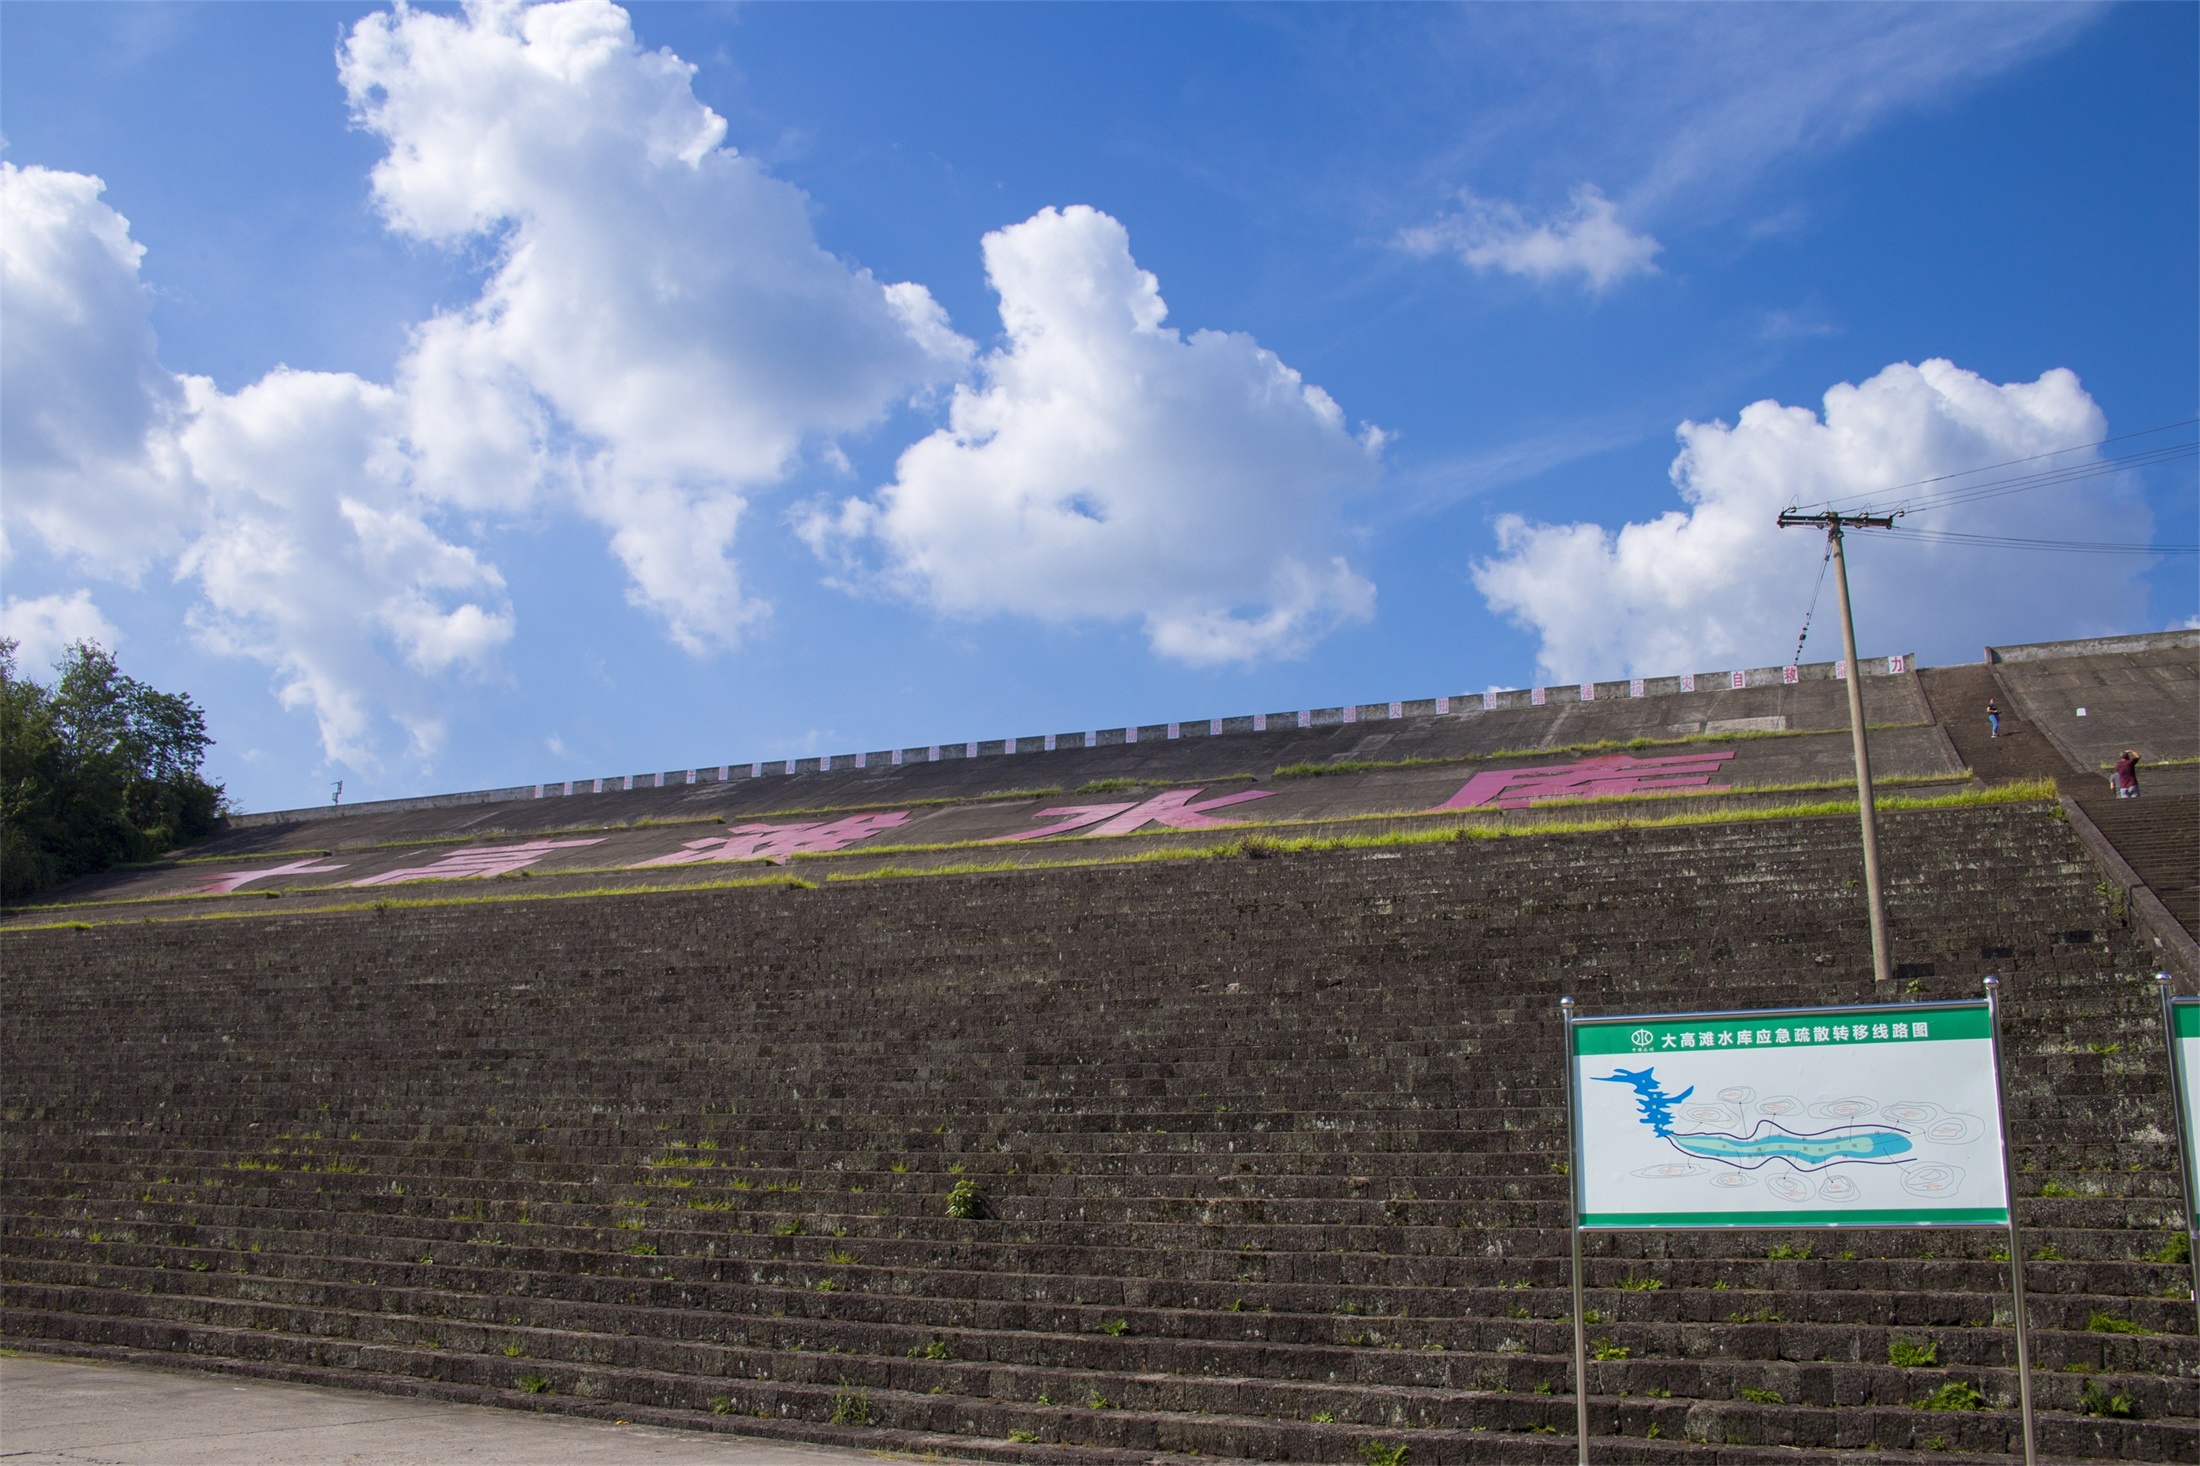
[56, 1412]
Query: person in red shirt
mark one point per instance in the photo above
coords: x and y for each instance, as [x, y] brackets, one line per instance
[2127, 775]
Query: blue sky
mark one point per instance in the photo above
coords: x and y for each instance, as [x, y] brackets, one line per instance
[458, 398]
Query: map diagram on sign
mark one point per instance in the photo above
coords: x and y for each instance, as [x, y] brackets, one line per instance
[1798, 1151]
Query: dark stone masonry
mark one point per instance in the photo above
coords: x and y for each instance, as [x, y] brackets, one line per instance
[1269, 1152]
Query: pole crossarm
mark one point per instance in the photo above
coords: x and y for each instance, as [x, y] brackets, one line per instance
[1790, 519]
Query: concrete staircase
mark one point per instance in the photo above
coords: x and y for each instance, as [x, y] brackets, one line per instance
[1265, 1156]
[2158, 834]
[1958, 697]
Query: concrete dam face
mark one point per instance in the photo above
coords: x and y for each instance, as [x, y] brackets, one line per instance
[1195, 1089]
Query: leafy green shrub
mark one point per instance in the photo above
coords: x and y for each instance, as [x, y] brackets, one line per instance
[1955, 1395]
[850, 1406]
[2177, 1250]
[101, 769]
[2108, 1323]
[1906, 1354]
[2097, 1401]
[966, 1201]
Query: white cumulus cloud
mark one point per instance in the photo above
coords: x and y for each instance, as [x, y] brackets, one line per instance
[1106, 466]
[318, 559]
[87, 415]
[657, 337]
[1584, 240]
[1716, 584]
[286, 506]
[43, 627]
[662, 332]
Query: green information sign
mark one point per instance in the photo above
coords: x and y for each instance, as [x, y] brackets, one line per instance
[2181, 1023]
[2184, 1027]
[1862, 1117]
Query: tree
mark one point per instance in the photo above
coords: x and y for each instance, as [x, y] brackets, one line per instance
[95, 770]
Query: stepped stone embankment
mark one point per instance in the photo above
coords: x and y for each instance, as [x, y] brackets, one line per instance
[1270, 1152]
[1767, 744]
[2148, 696]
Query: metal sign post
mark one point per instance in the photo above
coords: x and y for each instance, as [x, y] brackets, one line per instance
[1867, 1116]
[1573, 1232]
[2181, 1032]
[2016, 1246]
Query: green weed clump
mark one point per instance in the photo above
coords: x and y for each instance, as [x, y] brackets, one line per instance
[1955, 1395]
[2108, 1323]
[534, 1384]
[1909, 1354]
[966, 1201]
[1384, 1453]
[2097, 1401]
[851, 1406]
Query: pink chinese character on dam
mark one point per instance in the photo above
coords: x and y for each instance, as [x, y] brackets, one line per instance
[488, 860]
[1589, 778]
[1174, 810]
[223, 884]
[761, 842]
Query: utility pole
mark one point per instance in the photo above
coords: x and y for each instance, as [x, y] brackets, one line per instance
[1833, 524]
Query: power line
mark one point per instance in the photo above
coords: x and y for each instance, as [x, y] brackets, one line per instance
[2046, 478]
[2013, 542]
[2024, 483]
[2013, 462]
